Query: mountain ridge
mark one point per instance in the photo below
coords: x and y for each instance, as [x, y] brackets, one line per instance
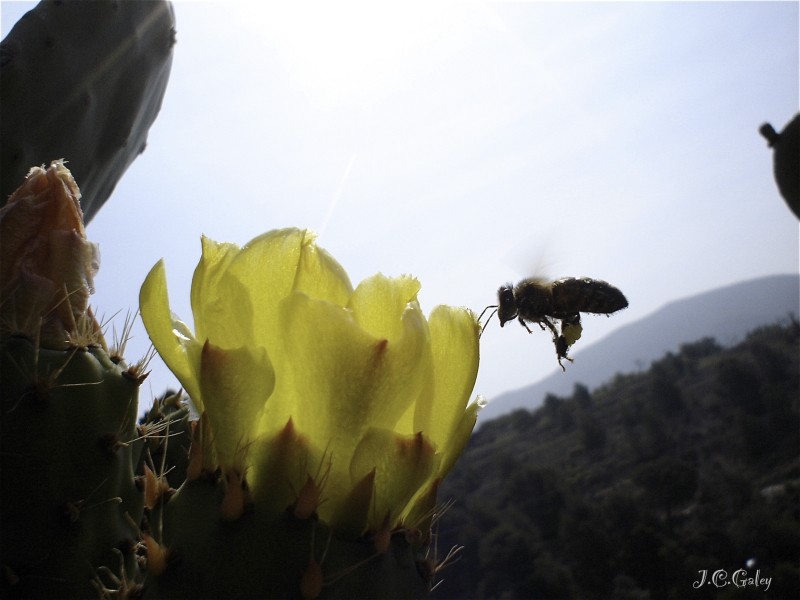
[726, 313]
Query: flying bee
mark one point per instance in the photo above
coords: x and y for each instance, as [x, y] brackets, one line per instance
[545, 303]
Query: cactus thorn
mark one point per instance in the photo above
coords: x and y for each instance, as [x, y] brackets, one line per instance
[156, 488]
[237, 496]
[110, 442]
[383, 537]
[157, 555]
[312, 581]
[201, 457]
[310, 496]
[138, 372]
[73, 509]
[39, 386]
[125, 588]
[429, 567]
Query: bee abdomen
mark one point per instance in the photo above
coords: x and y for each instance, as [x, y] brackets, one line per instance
[582, 294]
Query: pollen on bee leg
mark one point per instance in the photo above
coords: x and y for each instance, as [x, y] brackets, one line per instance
[561, 350]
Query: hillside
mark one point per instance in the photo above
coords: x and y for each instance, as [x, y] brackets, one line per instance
[630, 491]
[726, 314]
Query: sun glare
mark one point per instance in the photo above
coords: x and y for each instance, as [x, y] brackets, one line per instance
[351, 49]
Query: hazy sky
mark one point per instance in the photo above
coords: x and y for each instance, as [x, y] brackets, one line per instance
[469, 144]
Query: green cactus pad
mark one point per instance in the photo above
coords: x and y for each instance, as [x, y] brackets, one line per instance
[83, 81]
[261, 556]
[67, 447]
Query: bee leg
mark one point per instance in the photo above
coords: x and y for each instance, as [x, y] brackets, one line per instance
[525, 325]
[550, 326]
[561, 350]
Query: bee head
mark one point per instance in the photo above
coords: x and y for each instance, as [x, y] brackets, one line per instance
[507, 305]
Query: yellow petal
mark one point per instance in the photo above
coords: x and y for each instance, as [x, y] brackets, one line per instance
[281, 463]
[458, 439]
[336, 380]
[352, 516]
[236, 383]
[401, 463]
[319, 275]
[379, 301]
[321, 360]
[272, 266]
[220, 307]
[422, 511]
[172, 339]
[454, 347]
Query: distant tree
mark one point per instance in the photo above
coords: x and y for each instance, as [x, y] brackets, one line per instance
[593, 433]
[535, 491]
[522, 420]
[551, 407]
[665, 395]
[783, 415]
[786, 580]
[506, 462]
[550, 578]
[756, 440]
[631, 411]
[582, 396]
[589, 549]
[669, 481]
[773, 362]
[703, 347]
[671, 365]
[505, 563]
[558, 412]
[656, 434]
[626, 588]
[737, 383]
[639, 552]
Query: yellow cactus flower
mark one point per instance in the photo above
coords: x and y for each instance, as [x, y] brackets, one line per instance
[340, 401]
